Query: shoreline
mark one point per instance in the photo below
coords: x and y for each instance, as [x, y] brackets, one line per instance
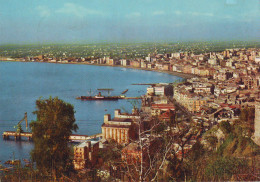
[173, 73]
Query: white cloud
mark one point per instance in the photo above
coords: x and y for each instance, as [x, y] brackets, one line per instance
[201, 14]
[228, 17]
[133, 15]
[43, 11]
[77, 10]
[158, 13]
[231, 2]
[177, 12]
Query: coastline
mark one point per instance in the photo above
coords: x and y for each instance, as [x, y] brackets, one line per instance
[174, 73]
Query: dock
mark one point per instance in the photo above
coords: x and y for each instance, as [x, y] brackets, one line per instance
[132, 98]
[17, 136]
[74, 137]
[111, 98]
[144, 83]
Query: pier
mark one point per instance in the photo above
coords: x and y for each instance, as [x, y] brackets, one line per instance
[74, 137]
[106, 98]
[132, 98]
[144, 83]
[17, 136]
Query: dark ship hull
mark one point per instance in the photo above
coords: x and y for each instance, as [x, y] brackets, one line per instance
[99, 98]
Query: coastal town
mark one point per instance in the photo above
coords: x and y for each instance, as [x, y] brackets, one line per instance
[131, 91]
[218, 88]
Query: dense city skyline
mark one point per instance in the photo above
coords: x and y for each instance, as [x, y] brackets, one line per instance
[129, 21]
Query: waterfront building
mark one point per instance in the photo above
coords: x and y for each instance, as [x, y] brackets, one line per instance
[111, 62]
[159, 66]
[135, 63]
[150, 66]
[125, 62]
[163, 90]
[120, 128]
[166, 67]
[143, 64]
[160, 90]
[150, 91]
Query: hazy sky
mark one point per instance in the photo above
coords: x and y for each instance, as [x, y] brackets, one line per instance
[52, 21]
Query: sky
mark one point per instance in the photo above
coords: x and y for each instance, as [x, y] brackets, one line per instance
[88, 21]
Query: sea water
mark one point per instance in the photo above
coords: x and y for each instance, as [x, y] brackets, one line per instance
[22, 83]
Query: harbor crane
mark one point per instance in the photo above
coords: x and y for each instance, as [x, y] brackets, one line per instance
[106, 89]
[19, 127]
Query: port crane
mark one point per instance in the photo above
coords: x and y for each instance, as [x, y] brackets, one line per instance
[106, 89]
[19, 127]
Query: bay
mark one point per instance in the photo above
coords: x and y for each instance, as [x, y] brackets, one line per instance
[22, 83]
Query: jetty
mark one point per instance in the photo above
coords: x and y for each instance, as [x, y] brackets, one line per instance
[74, 137]
[144, 83]
[17, 136]
[132, 98]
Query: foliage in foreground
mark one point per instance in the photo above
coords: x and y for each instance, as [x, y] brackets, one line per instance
[55, 123]
[234, 157]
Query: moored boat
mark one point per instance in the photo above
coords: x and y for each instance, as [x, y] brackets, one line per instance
[100, 97]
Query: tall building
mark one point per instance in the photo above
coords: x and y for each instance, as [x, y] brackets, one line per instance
[120, 128]
[85, 154]
[256, 136]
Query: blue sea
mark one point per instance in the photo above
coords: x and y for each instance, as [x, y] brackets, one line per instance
[22, 83]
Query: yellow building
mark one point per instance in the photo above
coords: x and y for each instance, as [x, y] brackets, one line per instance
[191, 102]
[85, 154]
[120, 128]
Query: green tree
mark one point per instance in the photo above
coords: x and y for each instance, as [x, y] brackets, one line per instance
[213, 141]
[225, 127]
[51, 130]
[19, 128]
[246, 120]
[224, 167]
[195, 162]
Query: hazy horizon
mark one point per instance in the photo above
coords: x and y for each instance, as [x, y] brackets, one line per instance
[136, 21]
[125, 42]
